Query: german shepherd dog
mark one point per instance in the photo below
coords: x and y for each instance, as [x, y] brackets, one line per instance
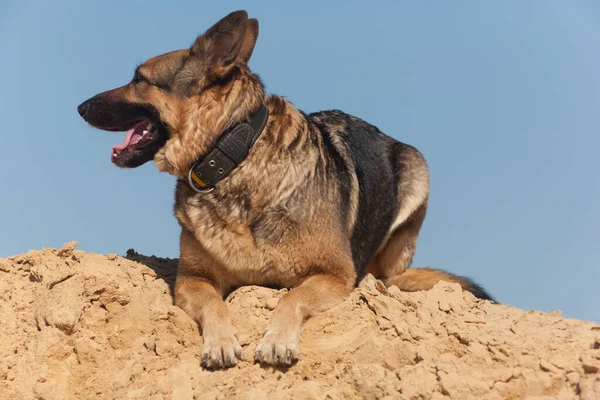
[266, 194]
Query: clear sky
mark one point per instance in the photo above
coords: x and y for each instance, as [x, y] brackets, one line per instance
[503, 99]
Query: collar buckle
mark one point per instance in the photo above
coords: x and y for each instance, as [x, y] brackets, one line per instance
[198, 184]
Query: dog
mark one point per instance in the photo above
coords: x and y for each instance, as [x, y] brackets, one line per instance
[266, 194]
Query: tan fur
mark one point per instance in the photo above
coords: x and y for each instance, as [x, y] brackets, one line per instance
[416, 279]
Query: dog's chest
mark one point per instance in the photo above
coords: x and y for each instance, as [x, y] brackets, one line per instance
[251, 247]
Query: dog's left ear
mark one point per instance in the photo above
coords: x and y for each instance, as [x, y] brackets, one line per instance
[250, 36]
[228, 42]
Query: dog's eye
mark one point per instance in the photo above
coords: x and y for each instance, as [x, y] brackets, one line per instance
[137, 78]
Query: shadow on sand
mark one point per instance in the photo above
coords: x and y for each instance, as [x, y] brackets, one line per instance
[165, 268]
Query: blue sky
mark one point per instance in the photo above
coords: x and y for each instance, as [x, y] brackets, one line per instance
[503, 99]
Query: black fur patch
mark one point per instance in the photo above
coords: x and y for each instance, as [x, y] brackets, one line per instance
[478, 291]
[372, 154]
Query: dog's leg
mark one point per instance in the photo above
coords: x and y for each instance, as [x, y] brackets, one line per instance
[397, 254]
[198, 294]
[280, 344]
[200, 300]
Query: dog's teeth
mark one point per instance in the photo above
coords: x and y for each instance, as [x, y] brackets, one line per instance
[145, 131]
[148, 127]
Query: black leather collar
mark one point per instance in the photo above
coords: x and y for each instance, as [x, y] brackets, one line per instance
[231, 149]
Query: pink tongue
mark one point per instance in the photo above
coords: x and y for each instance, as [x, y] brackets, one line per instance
[137, 128]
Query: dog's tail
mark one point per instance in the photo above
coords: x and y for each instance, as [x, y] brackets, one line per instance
[415, 279]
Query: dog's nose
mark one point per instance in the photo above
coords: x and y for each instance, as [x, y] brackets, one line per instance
[81, 109]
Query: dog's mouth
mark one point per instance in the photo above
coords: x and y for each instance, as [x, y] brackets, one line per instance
[145, 133]
[141, 134]
[142, 141]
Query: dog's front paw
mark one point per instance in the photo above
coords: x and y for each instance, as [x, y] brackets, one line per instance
[277, 349]
[221, 351]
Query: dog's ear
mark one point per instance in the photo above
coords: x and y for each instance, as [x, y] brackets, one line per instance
[228, 41]
[250, 36]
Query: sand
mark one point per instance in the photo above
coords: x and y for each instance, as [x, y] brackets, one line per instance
[77, 325]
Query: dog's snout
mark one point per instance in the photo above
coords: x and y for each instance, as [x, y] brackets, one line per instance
[82, 108]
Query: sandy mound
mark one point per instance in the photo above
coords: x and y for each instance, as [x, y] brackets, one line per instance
[86, 326]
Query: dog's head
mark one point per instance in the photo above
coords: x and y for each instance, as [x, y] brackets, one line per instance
[178, 103]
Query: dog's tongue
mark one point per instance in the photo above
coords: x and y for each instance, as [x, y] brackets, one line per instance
[138, 130]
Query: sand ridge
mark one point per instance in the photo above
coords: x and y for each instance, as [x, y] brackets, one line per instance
[79, 325]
